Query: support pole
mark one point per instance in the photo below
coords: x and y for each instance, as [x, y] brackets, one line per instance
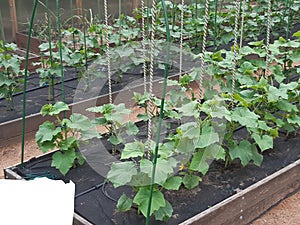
[13, 17]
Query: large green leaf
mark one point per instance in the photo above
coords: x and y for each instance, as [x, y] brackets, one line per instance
[140, 179]
[79, 122]
[133, 149]
[220, 112]
[166, 149]
[245, 117]
[191, 181]
[264, 142]
[63, 161]
[207, 137]
[47, 131]
[274, 94]
[6, 82]
[163, 169]
[294, 119]
[246, 152]
[164, 213]
[131, 128]
[185, 145]
[115, 140]
[46, 146]
[118, 113]
[67, 144]
[104, 109]
[89, 134]
[200, 161]
[55, 109]
[173, 183]
[124, 203]
[189, 109]
[121, 173]
[286, 106]
[142, 200]
[289, 86]
[297, 34]
[247, 68]
[278, 73]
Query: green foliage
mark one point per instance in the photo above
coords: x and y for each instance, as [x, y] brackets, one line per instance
[121, 173]
[10, 71]
[124, 203]
[261, 106]
[64, 134]
[113, 120]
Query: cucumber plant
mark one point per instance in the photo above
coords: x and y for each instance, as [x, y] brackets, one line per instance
[10, 73]
[113, 120]
[64, 135]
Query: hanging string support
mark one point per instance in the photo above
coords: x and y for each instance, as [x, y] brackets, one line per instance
[235, 48]
[108, 52]
[205, 28]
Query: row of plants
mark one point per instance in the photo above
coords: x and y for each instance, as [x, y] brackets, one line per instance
[80, 45]
[10, 72]
[263, 106]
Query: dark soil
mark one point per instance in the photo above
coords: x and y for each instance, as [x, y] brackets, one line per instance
[99, 205]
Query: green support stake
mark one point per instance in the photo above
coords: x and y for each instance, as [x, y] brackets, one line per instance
[99, 9]
[60, 53]
[2, 30]
[25, 80]
[287, 14]
[215, 24]
[120, 20]
[161, 113]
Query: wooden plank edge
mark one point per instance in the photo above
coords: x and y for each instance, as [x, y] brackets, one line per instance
[10, 174]
[240, 208]
[78, 220]
[253, 201]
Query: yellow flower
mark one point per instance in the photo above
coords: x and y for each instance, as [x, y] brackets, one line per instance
[181, 167]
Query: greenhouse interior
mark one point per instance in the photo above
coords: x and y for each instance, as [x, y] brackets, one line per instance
[150, 112]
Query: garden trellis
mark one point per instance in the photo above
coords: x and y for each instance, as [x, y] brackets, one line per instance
[198, 76]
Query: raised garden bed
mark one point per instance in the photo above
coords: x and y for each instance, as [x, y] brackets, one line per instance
[10, 121]
[21, 41]
[264, 109]
[236, 195]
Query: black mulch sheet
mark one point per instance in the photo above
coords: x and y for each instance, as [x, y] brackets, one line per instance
[217, 185]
